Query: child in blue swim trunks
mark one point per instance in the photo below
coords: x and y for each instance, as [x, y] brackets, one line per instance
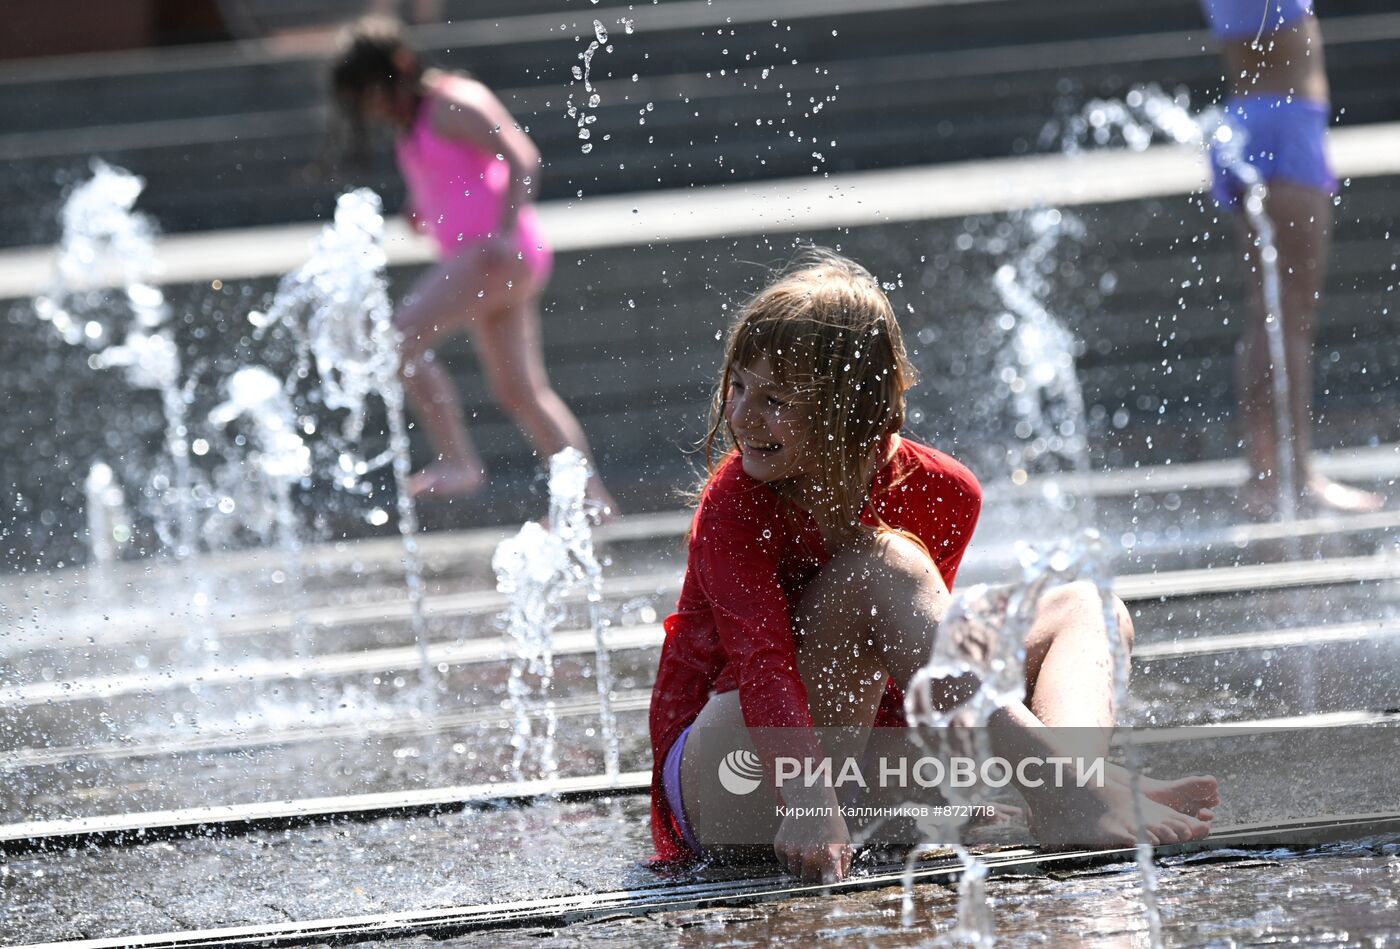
[1279, 101]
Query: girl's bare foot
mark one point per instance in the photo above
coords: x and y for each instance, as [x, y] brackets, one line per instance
[446, 479]
[1105, 817]
[1333, 497]
[1194, 796]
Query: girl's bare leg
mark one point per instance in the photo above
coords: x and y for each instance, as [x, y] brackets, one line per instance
[512, 357]
[871, 613]
[891, 596]
[449, 299]
[1302, 219]
[458, 470]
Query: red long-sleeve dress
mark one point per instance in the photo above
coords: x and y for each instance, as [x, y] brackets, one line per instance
[751, 555]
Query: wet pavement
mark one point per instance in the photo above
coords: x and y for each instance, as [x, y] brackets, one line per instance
[553, 849]
[1342, 896]
[238, 733]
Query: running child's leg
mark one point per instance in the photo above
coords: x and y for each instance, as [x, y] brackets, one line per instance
[447, 300]
[512, 357]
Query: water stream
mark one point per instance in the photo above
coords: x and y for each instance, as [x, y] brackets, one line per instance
[336, 307]
[539, 568]
[982, 639]
[1147, 113]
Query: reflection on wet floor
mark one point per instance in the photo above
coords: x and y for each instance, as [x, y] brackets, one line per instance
[491, 855]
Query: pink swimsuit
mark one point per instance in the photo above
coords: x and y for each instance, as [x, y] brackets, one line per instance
[460, 190]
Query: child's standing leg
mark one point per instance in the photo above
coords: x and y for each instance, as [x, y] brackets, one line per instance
[512, 357]
[449, 299]
[1302, 219]
[496, 300]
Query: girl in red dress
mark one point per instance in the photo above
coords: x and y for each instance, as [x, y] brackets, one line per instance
[821, 555]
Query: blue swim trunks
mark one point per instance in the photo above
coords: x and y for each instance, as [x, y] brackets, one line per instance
[671, 783]
[1246, 19]
[1284, 139]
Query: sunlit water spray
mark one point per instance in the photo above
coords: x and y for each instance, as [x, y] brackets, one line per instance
[584, 115]
[1037, 370]
[1146, 114]
[538, 569]
[106, 243]
[283, 460]
[108, 525]
[337, 307]
[982, 641]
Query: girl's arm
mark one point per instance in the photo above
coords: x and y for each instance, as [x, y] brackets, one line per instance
[469, 112]
[753, 619]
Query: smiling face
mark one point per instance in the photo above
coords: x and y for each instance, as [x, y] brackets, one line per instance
[772, 427]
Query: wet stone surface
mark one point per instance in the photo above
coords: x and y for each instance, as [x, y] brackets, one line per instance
[492, 855]
[553, 849]
[363, 765]
[1341, 895]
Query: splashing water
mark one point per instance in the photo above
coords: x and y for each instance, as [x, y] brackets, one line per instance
[538, 569]
[109, 527]
[570, 514]
[105, 242]
[1229, 142]
[337, 308]
[527, 568]
[1146, 114]
[584, 118]
[982, 640]
[1037, 368]
[283, 459]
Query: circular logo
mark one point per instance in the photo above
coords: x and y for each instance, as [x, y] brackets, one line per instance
[740, 772]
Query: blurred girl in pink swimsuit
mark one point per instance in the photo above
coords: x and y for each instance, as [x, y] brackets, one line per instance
[471, 173]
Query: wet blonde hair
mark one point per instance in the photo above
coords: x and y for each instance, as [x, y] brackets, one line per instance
[832, 338]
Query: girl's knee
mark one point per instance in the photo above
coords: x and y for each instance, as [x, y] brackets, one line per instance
[889, 555]
[1081, 604]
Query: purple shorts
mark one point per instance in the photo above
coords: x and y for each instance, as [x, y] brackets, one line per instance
[671, 784]
[1284, 140]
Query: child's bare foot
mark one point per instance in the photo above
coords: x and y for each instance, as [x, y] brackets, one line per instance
[1260, 502]
[1105, 817]
[444, 479]
[1194, 796]
[1333, 497]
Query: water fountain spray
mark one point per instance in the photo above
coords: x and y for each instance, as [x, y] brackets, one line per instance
[283, 459]
[1229, 143]
[336, 307]
[538, 569]
[982, 640]
[109, 527]
[1037, 367]
[1135, 120]
[105, 243]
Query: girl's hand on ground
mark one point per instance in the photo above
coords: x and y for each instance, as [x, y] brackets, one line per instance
[815, 849]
